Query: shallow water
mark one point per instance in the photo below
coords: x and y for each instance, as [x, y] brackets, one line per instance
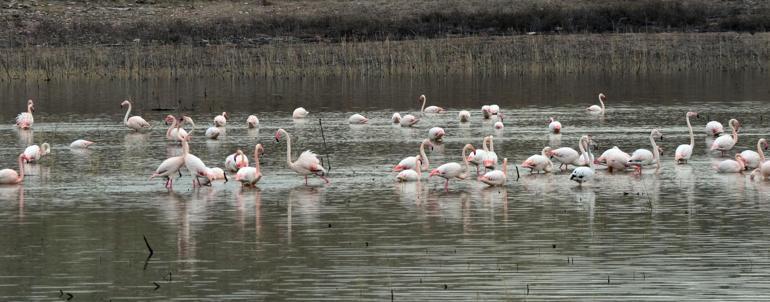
[76, 225]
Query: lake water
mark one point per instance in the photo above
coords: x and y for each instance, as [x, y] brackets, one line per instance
[683, 233]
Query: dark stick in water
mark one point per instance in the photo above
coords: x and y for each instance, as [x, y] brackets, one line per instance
[328, 162]
[148, 246]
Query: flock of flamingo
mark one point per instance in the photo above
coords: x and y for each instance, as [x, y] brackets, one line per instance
[410, 168]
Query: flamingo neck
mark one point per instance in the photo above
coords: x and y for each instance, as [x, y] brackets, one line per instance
[46, 148]
[735, 133]
[760, 151]
[491, 144]
[192, 127]
[256, 159]
[185, 145]
[425, 163]
[505, 167]
[125, 118]
[424, 100]
[692, 136]
[288, 148]
[590, 156]
[484, 144]
[582, 149]
[655, 153]
[467, 165]
[601, 102]
[21, 170]
[29, 109]
[173, 125]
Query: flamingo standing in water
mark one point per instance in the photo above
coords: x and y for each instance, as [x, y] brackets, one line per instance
[409, 120]
[644, 157]
[499, 124]
[136, 123]
[81, 144]
[216, 174]
[357, 119]
[307, 163]
[193, 163]
[34, 152]
[567, 156]
[171, 166]
[236, 161]
[726, 143]
[731, 166]
[714, 128]
[436, 134]
[487, 111]
[753, 159]
[477, 156]
[10, 176]
[429, 109]
[496, 177]
[614, 158]
[684, 152]
[595, 108]
[411, 162]
[554, 126]
[221, 120]
[252, 121]
[453, 170]
[490, 159]
[174, 132]
[583, 174]
[410, 174]
[538, 162]
[25, 120]
[464, 116]
[249, 176]
[764, 166]
[300, 112]
[396, 118]
[213, 132]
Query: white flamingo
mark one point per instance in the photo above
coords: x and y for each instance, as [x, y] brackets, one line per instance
[300, 112]
[453, 170]
[490, 159]
[81, 144]
[34, 153]
[753, 159]
[136, 123]
[221, 120]
[213, 132]
[567, 156]
[684, 152]
[215, 174]
[477, 156]
[396, 118]
[644, 157]
[429, 109]
[236, 161]
[249, 176]
[714, 128]
[409, 120]
[538, 162]
[614, 159]
[25, 119]
[411, 162]
[726, 143]
[764, 166]
[193, 163]
[464, 116]
[357, 119]
[408, 175]
[595, 108]
[252, 121]
[171, 166]
[496, 177]
[731, 166]
[436, 134]
[10, 176]
[583, 174]
[307, 163]
[554, 126]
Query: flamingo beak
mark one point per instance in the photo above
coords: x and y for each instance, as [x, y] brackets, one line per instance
[434, 172]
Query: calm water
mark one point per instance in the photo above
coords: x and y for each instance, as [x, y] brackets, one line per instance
[76, 225]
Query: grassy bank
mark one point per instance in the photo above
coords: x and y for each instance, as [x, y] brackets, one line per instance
[625, 53]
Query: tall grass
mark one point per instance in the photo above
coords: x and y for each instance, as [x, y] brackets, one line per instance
[625, 53]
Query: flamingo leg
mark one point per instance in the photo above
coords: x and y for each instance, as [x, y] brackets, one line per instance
[324, 178]
[306, 180]
[446, 185]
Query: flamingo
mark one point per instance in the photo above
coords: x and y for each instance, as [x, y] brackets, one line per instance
[193, 163]
[586, 157]
[25, 120]
[753, 159]
[725, 143]
[429, 109]
[499, 124]
[136, 123]
[252, 121]
[490, 159]
[595, 108]
[221, 120]
[357, 119]
[81, 144]
[10, 176]
[714, 128]
[409, 174]
[538, 162]
[614, 159]
[171, 166]
[236, 161]
[485, 112]
[684, 152]
[731, 166]
[496, 177]
[494, 109]
[396, 118]
[411, 162]
[583, 174]
[464, 116]
[174, 132]
[34, 152]
[567, 156]
[307, 163]
[453, 170]
[300, 113]
[409, 120]
[436, 134]
[764, 167]
[554, 126]
[213, 132]
[477, 156]
[644, 157]
[215, 174]
[249, 176]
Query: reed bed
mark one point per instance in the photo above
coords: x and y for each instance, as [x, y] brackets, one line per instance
[625, 53]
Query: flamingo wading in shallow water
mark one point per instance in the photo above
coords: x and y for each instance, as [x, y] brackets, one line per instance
[10, 176]
[464, 116]
[236, 161]
[221, 120]
[496, 177]
[174, 132]
[595, 108]
[409, 120]
[299, 113]
[684, 152]
[583, 174]
[34, 153]
[81, 144]
[726, 143]
[644, 157]
[307, 163]
[554, 126]
[25, 120]
[731, 166]
[170, 167]
[453, 170]
[357, 119]
[409, 174]
[753, 159]
[411, 162]
[714, 128]
[252, 121]
[136, 123]
[249, 176]
[429, 109]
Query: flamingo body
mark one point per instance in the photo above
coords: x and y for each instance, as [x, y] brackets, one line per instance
[464, 116]
[25, 119]
[436, 134]
[357, 119]
[396, 118]
[409, 120]
[213, 132]
[300, 113]
[136, 123]
[714, 128]
[81, 144]
[34, 153]
[252, 122]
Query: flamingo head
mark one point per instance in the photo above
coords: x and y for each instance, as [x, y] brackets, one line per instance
[225, 115]
[260, 149]
[169, 119]
[693, 114]
[125, 103]
[655, 133]
[421, 98]
[735, 124]
[277, 136]
[763, 143]
[31, 105]
[602, 97]
[435, 172]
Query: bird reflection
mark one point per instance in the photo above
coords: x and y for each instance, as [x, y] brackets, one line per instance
[135, 141]
[26, 137]
[554, 140]
[16, 192]
[307, 201]
[253, 133]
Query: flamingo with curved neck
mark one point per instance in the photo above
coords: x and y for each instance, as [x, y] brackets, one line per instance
[453, 170]
[597, 109]
[430, 109]
[25, 119]
[136, 123]
[726, 143]
[10, 176]
[411, 161]
[684, 152]
[307, 163]
[249, 176]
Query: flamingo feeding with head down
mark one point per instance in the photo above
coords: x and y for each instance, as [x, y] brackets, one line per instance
[25, 120]
[411, 162]
[568, 156]
[476, 157]
[684, 152]
[429, 109]
[453, 170]
[136, 123]
[215, 174]
[496, 177]
[396, 118]
[193, 163]
[408, 175]
[171, 166]
[409, 120]
[236, 161]
[249, 176]
[487, 111]
[753, 159]
[731, 166]
[614, 158]
[213, 132]
[252, 121]
[538, 162]
[357, 119]
[595, 108]
[10, 176]
[726, 143]
[554, 126]
[644, 157]
[464, 116]
[81, 144]
[714, 128]
[307, 163]
[221, 120]
[499, 124]
[436, 134]
[34, 152]
[300, 112]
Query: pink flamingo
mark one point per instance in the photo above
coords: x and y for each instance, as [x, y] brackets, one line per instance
[25, 120]
[174, 132]
[554, 126]
[307, 163]
[171, 166]
[411, 162]
[249, 176]
[409, 174]
[477, 156]
[193, 163]
[81, 144]
[10, 176]
[490, 159]
[252, 121]
[764, 167]
[396, 118]
[436, 134]
[453, 170]
[35, 152]
[236, 161]
[714, 128]
[726, 143]
[731, 166]
[215, 174]
[496, 177]
[614, 158]
[464, 116]
[357, 119]
[429, 109]
[595, 108]
[136, 123]
[300, 113]
[221, 120]
[539, 162]
[684, 152]
[753, 159]
[499, 124]
[644, 157]
[409, 120]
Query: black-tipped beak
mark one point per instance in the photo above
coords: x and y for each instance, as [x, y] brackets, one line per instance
[571, 177]
[661, 137]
